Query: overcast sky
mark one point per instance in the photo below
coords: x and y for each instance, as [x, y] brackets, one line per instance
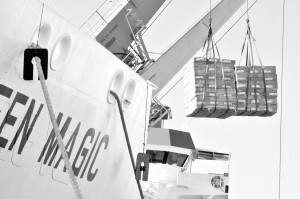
[254, 142]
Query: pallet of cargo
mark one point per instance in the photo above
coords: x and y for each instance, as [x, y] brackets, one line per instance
[256, 88]
[209, 88]
[216, 89]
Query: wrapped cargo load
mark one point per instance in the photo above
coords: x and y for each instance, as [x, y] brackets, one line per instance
[256, 84]
[256, 90]
[215, 88]
[209, 88]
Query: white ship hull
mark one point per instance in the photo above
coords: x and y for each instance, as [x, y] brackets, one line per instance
[93, 130]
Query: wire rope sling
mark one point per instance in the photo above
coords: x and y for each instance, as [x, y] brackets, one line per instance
[256, 85]
[209, 84]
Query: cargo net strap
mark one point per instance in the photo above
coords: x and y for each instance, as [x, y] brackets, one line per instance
[249, 43]
[77, 192]
[211, 49]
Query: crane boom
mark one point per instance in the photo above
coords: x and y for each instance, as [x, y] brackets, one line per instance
[167, 66]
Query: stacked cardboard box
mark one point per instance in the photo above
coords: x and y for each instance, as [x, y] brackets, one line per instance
[209, 88]
[256, 90]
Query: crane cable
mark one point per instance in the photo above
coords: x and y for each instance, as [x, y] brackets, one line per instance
[281, 98]
[247, 10]
[145, 127]
[38, 36]
[210, 13]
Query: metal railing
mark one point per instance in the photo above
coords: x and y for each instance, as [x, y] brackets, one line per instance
[100, 18]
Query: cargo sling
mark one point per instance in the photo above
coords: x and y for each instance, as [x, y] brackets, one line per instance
[211, 47]
[249, 42]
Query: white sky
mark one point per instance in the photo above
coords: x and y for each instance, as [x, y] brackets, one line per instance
[253, 141]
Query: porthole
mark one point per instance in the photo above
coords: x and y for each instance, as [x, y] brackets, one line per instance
[128, 94]
[41, 36]
[115, 86]
[60, 52]
[217, 182]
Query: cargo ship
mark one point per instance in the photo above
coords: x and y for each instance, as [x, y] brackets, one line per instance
[102, 83]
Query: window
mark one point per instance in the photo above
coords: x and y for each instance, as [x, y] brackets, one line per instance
[167, 157]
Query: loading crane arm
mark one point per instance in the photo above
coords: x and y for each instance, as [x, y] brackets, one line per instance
[172, 61]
